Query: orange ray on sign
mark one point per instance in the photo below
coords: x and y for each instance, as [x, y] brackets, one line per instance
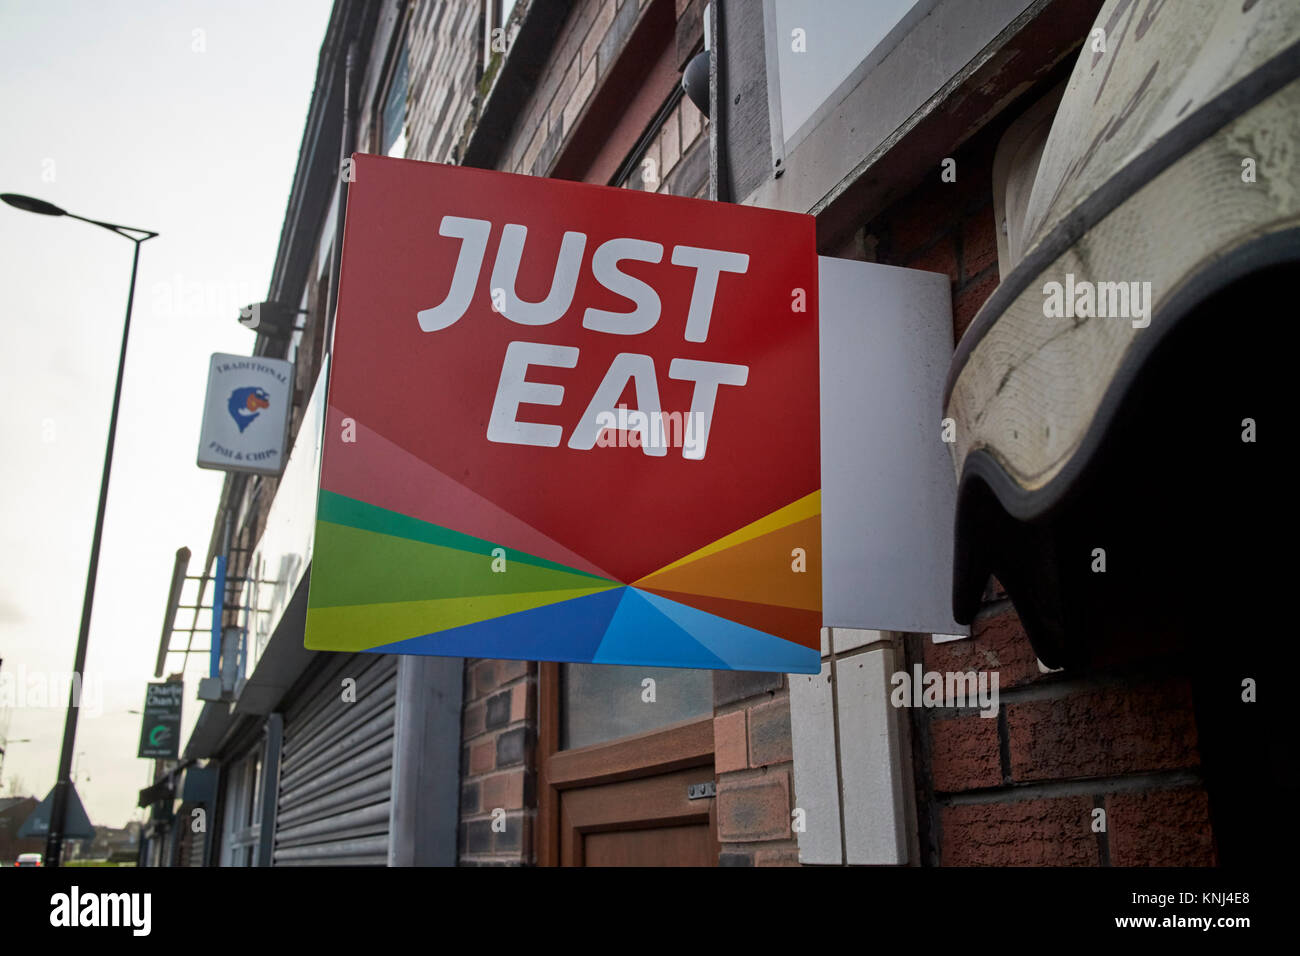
[761, 570]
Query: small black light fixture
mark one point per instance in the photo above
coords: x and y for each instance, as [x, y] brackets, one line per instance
[695, 81]
[29, 204]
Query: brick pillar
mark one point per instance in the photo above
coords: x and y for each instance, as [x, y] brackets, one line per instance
[498, 731]
[754, 763]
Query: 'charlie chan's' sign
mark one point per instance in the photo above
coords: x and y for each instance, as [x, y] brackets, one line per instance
[160, 727]
[569, 422]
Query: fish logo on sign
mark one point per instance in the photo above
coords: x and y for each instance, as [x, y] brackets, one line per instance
[246, 404]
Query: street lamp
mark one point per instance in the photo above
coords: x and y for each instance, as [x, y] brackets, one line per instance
[59, 805]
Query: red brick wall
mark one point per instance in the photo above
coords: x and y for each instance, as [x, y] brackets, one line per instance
[754, 763]
[1021, 789]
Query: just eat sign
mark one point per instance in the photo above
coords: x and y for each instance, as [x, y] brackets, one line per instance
[569, 422]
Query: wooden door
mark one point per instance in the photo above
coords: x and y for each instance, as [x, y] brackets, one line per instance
[623, 802]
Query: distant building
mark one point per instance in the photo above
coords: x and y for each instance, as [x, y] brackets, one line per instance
[13, 811]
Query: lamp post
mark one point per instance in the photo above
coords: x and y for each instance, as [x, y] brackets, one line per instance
[62, 785]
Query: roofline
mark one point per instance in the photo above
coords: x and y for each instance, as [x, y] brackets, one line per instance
[321, 149]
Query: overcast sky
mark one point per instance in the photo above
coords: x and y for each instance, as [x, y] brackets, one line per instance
[183, 117]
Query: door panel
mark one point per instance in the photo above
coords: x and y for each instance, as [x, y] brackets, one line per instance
[623, 802]
[645, 822]
[667, 846]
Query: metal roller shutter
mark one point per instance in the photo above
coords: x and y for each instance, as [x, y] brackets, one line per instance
[336, 768]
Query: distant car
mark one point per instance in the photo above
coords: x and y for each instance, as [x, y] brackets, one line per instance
[28, 859]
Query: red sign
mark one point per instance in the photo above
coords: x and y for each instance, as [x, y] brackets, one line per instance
[561, 388]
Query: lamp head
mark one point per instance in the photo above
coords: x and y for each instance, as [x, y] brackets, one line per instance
[29, 204]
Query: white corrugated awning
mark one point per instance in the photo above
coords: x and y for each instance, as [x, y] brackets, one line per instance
[1168, 174]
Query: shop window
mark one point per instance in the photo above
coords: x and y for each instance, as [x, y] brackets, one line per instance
[392, 120]
[498, 32]
[295, 343]
[819, 50]
[672, 155]
[602, 702]
[242, 814]
[325, 247]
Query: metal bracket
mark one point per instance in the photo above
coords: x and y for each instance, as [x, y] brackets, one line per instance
[701, 791]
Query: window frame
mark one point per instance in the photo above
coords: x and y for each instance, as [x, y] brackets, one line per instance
[496, 16]
[783, 146]
[399, 50]
[242, 813]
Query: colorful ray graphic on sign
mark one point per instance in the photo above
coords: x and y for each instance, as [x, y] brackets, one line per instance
[569, 423]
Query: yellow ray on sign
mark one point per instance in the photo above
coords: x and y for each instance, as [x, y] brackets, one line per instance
[803, 508]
